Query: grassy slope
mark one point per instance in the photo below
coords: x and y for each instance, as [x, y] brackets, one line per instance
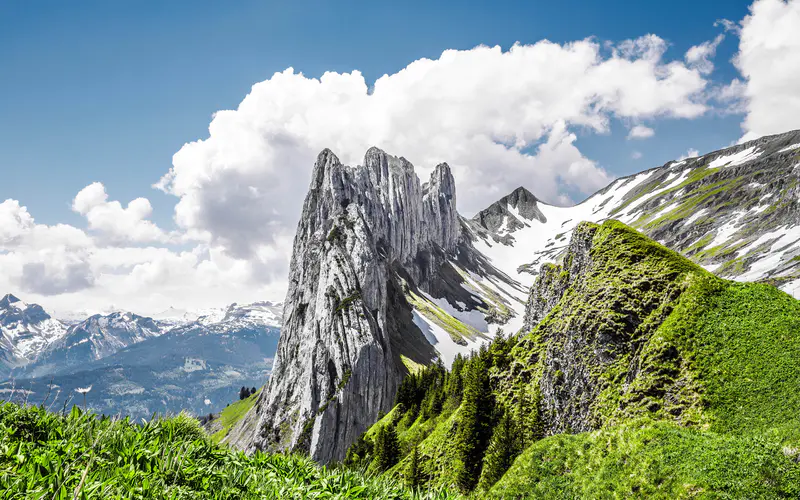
[231, 414]
[718, 362]
[45, 455]
[644, 459]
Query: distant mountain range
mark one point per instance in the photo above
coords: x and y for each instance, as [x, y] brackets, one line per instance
[138, 365]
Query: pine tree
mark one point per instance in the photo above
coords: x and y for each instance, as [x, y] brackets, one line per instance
[413, 473]
[475, 427]
[503, 448]
[528, 416]
[359, 451]
[252, 390]
[387, 447]
[244, 392]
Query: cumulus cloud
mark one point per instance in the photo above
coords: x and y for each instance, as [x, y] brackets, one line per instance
[120, 224]
[700, 56]
[499, 118]
[641, 132]
[769, 60]
[691, 153]
[65, 268]
[39, 258]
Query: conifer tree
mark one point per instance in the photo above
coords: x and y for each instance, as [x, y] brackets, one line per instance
[387, 447]
[475, 427]
[527, 416]
[413, 475]
[503, 448]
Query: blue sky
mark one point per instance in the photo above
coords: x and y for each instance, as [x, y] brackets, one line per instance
[100, 101]
[109, 91]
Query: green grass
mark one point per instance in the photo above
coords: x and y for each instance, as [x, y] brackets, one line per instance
[690, 382]
[46, 455]
[231, 414]
[645, 459]
[745, 345]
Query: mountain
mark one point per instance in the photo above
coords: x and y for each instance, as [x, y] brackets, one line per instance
[25, 331]
[386, 277]
[735, 211]
[197, 367]
[381, 281]
[638, 374]
[92, 339]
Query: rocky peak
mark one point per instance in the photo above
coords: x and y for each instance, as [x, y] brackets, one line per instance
[514, 211]
[366, 234]
[6, 301]
[25, 331]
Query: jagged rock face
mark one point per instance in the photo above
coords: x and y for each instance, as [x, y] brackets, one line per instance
[25, 331]
[594, 313]
[511, 212]
[366, 234]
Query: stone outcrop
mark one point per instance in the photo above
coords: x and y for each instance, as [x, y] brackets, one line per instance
[499, 218]
[366, 234]
[595, 311]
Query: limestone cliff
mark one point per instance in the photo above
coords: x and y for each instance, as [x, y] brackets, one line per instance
[368, 237]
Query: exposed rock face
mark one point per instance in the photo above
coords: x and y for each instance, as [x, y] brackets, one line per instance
[366, 235]
[500, 217]
[596, 310]
[25, 331]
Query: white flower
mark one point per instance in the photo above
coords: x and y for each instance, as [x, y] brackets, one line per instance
[83, 390]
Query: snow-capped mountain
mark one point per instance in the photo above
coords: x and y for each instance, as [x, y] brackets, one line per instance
[25, 331]
[240, 316]
[236, 315]
[734, 211]
[92, 339]
[197, 366]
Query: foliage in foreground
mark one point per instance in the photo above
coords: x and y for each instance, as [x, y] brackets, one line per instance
[49, 455]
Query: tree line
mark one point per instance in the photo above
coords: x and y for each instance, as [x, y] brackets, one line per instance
[492, 430]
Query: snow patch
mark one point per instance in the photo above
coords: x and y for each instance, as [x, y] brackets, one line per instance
[734, 159]
[441, 340]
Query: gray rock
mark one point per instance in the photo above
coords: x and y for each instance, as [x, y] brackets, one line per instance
[366, 235]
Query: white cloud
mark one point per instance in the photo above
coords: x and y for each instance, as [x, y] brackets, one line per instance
[641, 132]
[112, 220]
[64, 268]
[636, 155]
[769, 61]
[499, 119]
[700, 56]
[691, 153]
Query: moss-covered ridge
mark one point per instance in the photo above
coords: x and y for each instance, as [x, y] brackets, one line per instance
[652, 377]
[640, 330]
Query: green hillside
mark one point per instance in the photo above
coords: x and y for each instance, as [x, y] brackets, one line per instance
[648, 376]
[80, 456]
[231, 414]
